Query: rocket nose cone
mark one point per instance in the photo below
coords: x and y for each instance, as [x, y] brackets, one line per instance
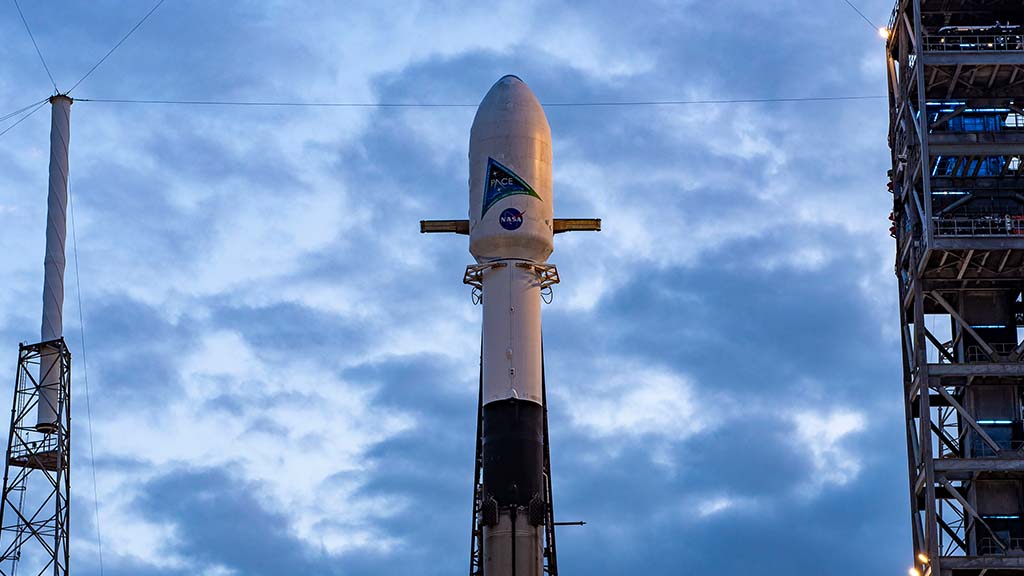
[510, 170]
[509, 96]
[509, 92]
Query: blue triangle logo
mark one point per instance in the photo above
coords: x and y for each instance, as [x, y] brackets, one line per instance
[502, 182]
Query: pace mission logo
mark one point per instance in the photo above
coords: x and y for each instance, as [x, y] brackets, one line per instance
[502, 182]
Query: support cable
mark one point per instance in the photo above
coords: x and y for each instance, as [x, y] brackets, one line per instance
[85, 375]
[38, 51]
[20, 110]
[625, 103]
[116, 46]
[296, 104]
[25, 117]
[866, 19]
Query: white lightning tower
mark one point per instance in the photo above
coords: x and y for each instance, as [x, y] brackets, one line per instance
[54, 262]
[511, 228]
[35, 506]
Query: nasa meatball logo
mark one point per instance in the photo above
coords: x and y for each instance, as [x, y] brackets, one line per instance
[511, 219]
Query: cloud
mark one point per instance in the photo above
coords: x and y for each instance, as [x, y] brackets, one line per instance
[711, 507]
[639, 403]
[291, 428]
[825, 438]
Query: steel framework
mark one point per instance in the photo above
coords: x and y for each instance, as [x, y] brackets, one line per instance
[35, 506]
[956, 131]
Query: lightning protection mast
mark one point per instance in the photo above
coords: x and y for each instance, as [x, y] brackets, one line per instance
[34, 511]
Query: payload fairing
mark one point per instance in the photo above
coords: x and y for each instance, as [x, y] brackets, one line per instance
[511, 227]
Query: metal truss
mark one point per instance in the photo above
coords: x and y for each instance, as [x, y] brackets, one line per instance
[474, 278]
[35, 506]
[476, 548]
[550, 551]
[956, 131]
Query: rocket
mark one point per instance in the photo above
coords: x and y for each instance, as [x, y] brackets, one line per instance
[511, 230]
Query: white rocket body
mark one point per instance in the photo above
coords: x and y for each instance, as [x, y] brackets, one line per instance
[511, 136]
[54, 262]
[511, 226]
[511, 343]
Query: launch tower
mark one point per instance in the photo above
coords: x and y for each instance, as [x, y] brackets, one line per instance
[956, 130]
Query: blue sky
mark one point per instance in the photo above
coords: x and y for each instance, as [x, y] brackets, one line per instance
[283, 370]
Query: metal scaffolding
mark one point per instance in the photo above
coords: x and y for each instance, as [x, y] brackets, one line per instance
[35, 505]
[956, 130]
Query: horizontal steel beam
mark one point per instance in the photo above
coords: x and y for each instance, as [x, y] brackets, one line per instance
[972, 58]
[577, 225]
[1016, 243]
[982, 183]
[974, 138]
[953, 465]
[462, 226]
[976, 149]
[982, 562]
[978, 369]
[444, 226]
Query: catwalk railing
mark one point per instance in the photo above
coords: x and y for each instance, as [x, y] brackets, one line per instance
[989, 547]
[988, 225]
[974, 43]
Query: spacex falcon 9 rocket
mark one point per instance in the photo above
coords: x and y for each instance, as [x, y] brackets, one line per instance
[511, 229]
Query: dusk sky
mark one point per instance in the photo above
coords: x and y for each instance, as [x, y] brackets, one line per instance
[283, 370]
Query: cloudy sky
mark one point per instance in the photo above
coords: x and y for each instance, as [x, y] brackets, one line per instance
[283, 370]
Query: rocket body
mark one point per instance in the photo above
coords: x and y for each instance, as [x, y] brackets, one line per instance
[54, 262]
[511, 231]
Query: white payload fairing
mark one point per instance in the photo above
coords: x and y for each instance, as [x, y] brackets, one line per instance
[511, 227]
